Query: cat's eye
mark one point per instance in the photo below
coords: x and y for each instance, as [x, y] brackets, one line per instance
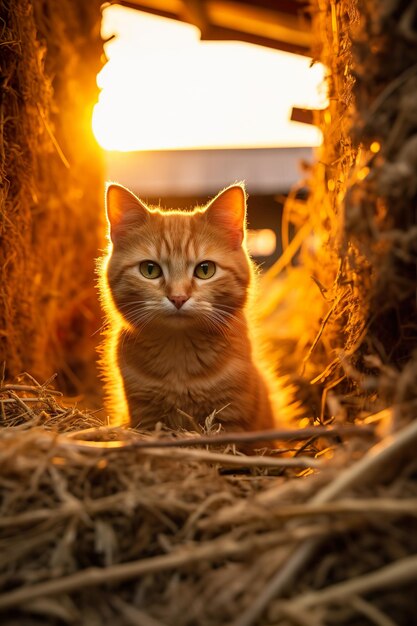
[150, 269]
[205, 270]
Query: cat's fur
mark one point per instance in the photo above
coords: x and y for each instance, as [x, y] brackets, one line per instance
[196, 359]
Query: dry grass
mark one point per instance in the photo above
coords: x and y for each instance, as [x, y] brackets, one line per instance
[100, 525]
[51, 189]
[340, 315]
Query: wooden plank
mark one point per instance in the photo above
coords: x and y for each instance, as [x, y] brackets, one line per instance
[284, 27]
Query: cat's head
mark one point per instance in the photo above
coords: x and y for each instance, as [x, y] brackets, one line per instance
[175, 268]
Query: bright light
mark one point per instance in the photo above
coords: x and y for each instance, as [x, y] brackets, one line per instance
[165, 89]
[261, 242]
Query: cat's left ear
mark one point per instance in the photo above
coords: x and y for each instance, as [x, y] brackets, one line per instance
[228, 211]
[124, 210]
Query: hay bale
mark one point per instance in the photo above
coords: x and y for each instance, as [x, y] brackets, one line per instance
[50, 203]
[357, 261]
[104, 525]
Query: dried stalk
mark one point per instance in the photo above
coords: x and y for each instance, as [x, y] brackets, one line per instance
[60, 443]
[362, 506]
[395, 574]
[40, 390]
[215, 550]
[361, 472]
[370, 611]
[295, 434]
[133, 615]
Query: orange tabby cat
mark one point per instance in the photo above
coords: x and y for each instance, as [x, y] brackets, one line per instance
[175, 287]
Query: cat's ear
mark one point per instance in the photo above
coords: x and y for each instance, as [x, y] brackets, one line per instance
[227, 211]
[123, 210]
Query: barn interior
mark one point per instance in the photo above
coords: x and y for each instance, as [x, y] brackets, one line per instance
[108, 525]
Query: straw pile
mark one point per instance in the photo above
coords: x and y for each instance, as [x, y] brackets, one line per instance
[104, 526]
[356, 240]
[51, 188]
[107, 526]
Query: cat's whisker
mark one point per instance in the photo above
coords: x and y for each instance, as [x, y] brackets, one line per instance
[218, 323]
[133, 302]
[135, 310]
[99, 330]
[231, 316]
[142, 316]
[221, 314]
[202, 319]
[209, 324]
[132, 314]
[222, 317]
[142, 328]
[224, 306]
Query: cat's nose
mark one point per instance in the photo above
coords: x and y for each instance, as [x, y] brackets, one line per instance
[178, 301]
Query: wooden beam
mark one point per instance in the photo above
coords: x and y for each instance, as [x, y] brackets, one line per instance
[240, 21]
[305, 116]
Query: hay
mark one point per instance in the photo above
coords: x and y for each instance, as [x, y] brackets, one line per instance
[355, 351]
[141, 531]
[51, 189]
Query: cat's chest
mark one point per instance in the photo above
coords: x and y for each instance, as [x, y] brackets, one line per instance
[179, 375]
[164, 381]
[173, 362]
[173, 395]
[174, 399]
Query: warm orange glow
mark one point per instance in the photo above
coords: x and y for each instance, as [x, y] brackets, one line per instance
[163, 88]
[363, 173]
[328, 453]
[262, 242]
[375, 147]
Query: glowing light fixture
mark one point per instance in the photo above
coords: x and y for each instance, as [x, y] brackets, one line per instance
[163, 88]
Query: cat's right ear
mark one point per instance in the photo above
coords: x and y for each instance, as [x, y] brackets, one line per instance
[124, 210]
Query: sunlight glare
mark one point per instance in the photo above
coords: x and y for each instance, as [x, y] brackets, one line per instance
[261, 242]
[163, 88]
